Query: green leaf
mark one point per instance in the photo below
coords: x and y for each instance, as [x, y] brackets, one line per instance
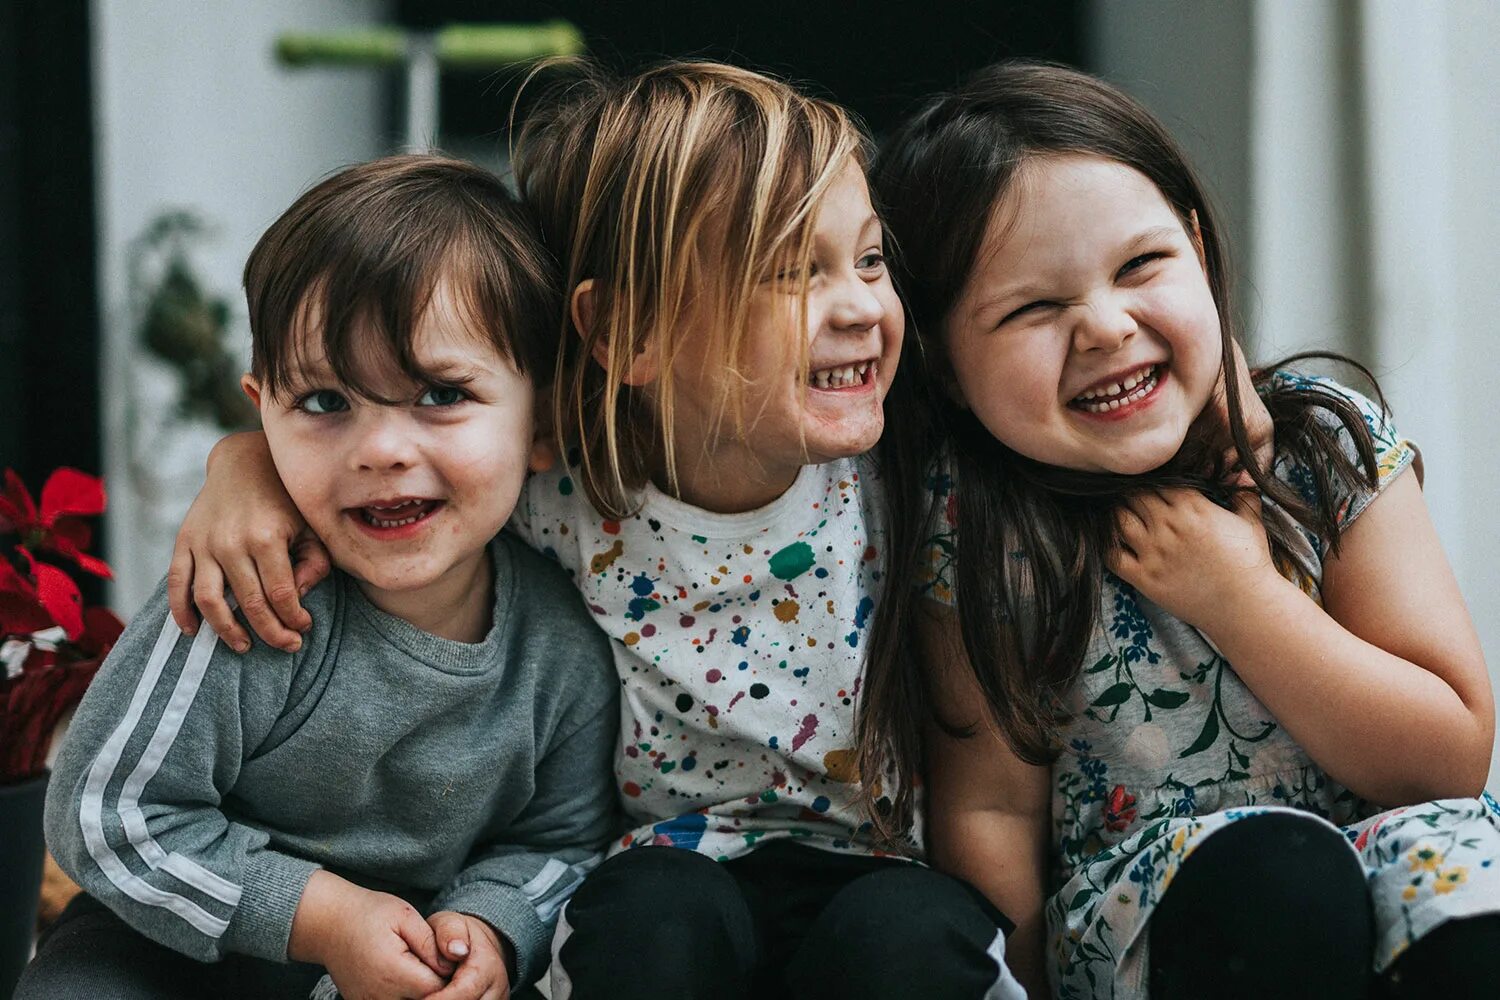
[1205, 738]
[1080, 898]
[1162, 698]
[1115, 694]
[1104, 664]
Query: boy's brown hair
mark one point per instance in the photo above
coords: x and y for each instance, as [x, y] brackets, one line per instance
[361, 253]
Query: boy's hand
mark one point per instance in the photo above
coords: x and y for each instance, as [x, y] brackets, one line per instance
[1193, 557]
[242, 530]
[483, 957]
[375, 946]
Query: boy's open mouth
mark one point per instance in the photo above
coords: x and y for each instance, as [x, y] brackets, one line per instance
[848, 376]
[1132, 388]
[392, 514]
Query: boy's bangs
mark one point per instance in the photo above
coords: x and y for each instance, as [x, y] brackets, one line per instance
[358, 326]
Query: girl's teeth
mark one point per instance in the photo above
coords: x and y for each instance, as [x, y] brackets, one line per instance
[838, 378]
[1135, 387]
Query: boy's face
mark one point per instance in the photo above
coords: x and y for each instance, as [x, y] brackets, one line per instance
[406, 495]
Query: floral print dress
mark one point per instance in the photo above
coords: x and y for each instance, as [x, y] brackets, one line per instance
[1167, 746]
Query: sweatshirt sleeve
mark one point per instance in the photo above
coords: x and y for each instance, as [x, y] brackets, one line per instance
[518, 881]
[135, 809]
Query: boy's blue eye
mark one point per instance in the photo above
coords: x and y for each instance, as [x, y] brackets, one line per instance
[323, 401]
[441, 395]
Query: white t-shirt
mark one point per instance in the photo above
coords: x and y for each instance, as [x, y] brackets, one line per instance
[739, 641]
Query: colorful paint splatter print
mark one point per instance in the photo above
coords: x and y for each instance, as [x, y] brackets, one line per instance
[739, 641]
[1168, 746]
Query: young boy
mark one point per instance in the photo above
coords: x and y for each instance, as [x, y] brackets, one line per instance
[442, 738]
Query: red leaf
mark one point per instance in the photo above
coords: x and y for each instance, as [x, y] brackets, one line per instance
[59, 595]
[16, 507]
[101, 629]
[69, 492]
[21, 615]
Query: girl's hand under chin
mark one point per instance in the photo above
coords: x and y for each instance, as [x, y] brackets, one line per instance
[1194, 558]
[243, 531]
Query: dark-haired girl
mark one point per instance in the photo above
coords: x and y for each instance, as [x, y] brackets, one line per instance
[1245, 683]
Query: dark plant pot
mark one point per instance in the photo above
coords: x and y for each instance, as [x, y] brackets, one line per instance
[22, 851]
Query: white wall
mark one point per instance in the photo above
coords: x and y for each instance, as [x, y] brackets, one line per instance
[1357, 147]
[193, 111]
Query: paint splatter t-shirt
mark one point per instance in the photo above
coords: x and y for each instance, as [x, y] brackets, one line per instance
[739, 641]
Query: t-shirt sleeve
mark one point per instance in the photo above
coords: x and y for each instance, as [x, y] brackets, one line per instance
[543, 515]
[1394, 452]
[935, 578]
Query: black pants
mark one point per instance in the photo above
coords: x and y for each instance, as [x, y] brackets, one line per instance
[785, 920]
[1277, 906]
[90, 952]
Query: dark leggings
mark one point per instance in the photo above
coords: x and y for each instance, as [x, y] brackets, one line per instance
[670, 924]
[1460, 960]
[90, 952]
[1271, 906]
[1277, 905]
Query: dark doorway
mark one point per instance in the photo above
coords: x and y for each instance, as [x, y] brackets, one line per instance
[49, 314]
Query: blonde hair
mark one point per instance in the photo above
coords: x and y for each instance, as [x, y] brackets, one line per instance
[641, 184]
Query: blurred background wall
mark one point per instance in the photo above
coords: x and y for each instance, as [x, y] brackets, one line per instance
[1351, 143]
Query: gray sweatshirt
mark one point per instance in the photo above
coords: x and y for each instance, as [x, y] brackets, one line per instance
[198, 790]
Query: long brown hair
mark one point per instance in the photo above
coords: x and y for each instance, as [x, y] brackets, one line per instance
[678, 190]
[1026, 622]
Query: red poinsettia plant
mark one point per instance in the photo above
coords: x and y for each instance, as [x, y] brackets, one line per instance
[50, 644]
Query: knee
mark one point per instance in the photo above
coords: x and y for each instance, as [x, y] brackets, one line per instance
[651, 888]
[671, 912]
[1272, 905]
[908, 931]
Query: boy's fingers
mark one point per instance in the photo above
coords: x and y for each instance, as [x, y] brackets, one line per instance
[419, 938]
[180, 588]
[452, 934]
[208, 595]
[412, 978]
[467, 984]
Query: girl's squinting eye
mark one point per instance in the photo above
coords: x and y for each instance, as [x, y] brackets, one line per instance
[1140, 261]
[321, 401]
[872, 261]
[442, 395]
[1028, 309]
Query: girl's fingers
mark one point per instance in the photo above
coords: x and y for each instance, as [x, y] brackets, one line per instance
[310, 563]
[412, 978]
[244, 582]
[180, 588]
[273, 565]
[208, 595]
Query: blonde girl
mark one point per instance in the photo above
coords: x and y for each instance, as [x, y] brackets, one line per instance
[731, 333]
[1234, 670]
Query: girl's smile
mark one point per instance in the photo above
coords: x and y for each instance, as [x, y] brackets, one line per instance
[1087, 335]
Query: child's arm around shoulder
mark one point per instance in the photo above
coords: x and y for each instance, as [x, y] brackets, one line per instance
[243, 532]
[987, 810]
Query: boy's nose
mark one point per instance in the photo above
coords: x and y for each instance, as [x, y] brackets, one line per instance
[385, 441]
